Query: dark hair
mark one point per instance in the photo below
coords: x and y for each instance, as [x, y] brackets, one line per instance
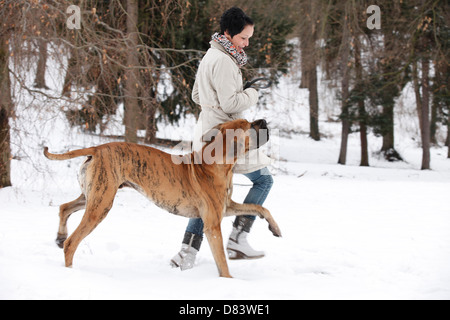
[234, 21]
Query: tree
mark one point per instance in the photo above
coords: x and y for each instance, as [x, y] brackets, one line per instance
[269, 52]
[345, 83]
[172, 38]
[10, 13]
[132, 73]
[343, 63]
[182, 29]
[97, 63]
[441, 81]
[429, 41]
[39, 82]
[362, 115]
[388, 76]
[308, 30]
[5, 112]
[380, 80]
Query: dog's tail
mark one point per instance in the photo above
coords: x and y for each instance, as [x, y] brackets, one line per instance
[70, 154]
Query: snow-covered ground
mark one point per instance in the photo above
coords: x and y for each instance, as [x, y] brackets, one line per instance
[348, 232]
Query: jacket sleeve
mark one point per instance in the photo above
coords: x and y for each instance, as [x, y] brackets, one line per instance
[195, 96]
[228, 84]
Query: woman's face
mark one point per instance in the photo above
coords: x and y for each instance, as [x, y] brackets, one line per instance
[241, 40]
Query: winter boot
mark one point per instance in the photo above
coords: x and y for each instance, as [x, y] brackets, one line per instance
[185, 259]
[238, 247]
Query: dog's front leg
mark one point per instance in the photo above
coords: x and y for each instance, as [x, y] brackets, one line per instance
[213, 233]
[238, 209]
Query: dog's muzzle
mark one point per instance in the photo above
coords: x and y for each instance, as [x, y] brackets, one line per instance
[262, 132]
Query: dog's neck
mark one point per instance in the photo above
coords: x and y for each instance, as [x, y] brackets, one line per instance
[200, 165]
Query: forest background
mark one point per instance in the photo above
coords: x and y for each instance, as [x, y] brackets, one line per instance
[143, 55]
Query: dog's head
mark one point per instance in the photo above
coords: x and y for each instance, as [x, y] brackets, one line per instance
[231, 140]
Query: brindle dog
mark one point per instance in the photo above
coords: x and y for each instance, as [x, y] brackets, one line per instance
[190, 189]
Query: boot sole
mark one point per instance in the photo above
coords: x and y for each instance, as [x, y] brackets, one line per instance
[173, 264]
[238, 255]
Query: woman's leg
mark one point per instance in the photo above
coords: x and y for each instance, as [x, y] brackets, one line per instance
[195, 226]
[190, 246]
[262, 184]
[238, 247]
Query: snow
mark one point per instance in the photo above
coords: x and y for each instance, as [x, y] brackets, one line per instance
[349, 232]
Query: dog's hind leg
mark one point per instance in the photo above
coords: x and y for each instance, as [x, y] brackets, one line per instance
[65, 211]
[96, 210]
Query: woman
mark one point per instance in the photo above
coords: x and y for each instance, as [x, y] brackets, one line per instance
[218, 89]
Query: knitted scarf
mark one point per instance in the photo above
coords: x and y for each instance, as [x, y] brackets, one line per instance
[241, 56]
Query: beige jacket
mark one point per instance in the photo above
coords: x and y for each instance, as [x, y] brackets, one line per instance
[218, 89]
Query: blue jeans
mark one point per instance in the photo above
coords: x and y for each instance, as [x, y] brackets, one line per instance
[262, 183]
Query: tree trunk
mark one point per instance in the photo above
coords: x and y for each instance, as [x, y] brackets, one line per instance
[415, 77]
[345, 122]
[132, 74]
[39, 82]
[5, 150]
[433, 123]
[5, 111]
[150, 133]
[70, 73]
[308, 37]
[361, 107]
[313, 104]
[425, 125]
[303, 63]
[150, 112]
[423, 109]
[345, 55]
[447, 107]
[388, 136]
[389, 67]
[440, 78]
[448, 136]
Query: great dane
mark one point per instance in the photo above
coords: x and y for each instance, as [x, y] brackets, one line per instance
[192, 187]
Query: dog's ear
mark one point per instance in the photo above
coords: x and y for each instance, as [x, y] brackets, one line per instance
[211, 134]
[235, 149]
[237, 141]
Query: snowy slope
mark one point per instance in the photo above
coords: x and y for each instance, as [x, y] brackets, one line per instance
[348, 232]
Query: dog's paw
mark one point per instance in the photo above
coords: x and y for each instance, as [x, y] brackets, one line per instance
[60, 241]
[275, 230]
